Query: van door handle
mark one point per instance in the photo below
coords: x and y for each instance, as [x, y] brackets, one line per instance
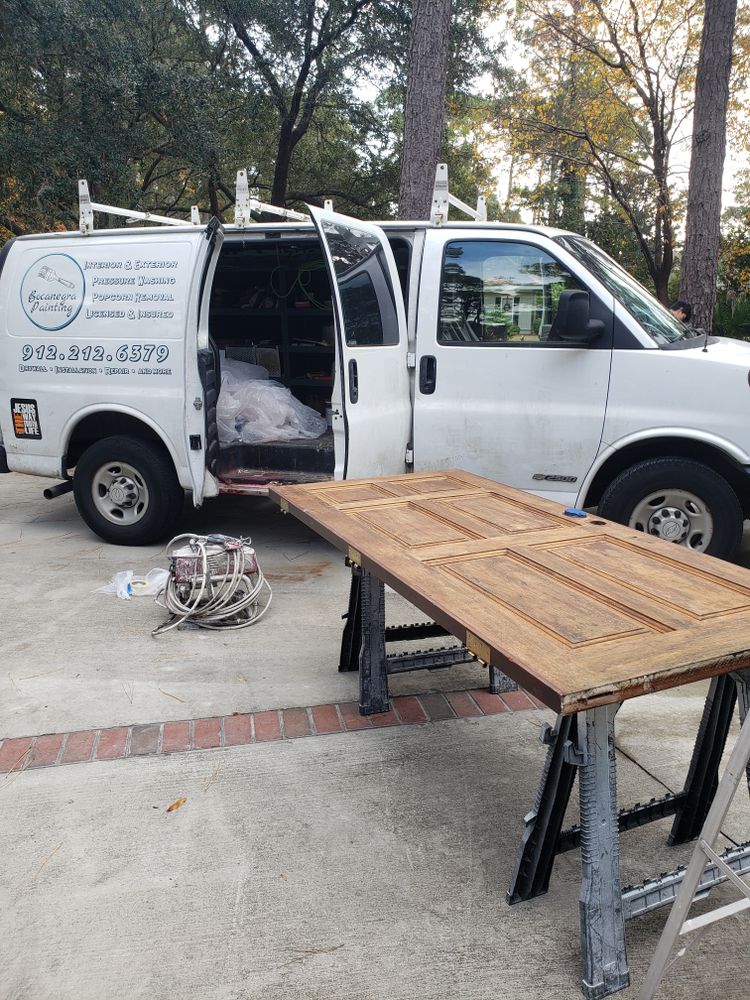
[427, 374]
[353, 381]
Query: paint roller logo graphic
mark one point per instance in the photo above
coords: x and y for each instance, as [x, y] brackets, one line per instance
[53, 290]
[50, 274]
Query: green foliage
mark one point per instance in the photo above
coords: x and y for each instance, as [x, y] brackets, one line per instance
[732, 312]
[495, 316]
[130, 94]
[600, 105]
[732, 317]
[159, 102]
[610, 230]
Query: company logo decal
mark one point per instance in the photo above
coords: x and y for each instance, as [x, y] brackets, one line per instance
[52, 291]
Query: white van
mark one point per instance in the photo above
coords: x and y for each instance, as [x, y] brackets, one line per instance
[521, 353]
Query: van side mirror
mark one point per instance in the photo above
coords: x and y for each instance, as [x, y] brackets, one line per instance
[573, 322]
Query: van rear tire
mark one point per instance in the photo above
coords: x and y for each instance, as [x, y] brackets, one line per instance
[127, 491]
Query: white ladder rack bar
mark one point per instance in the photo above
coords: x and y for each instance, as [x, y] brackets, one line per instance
[245, 203]
[442, 199]
[87, 207]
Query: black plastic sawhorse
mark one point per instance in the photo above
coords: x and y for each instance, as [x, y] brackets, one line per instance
[365, 639]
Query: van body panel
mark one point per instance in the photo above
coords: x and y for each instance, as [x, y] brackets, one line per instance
[197, 339]
[528, 414]
[692, 393]
[95, 324]
[37, 465]
[144, 417]
[651, 434]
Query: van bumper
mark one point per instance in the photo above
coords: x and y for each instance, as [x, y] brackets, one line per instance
[3, 460]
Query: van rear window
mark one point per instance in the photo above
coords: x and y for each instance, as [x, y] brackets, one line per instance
[367, 297]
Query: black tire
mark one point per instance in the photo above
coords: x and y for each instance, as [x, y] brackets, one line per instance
[146, 483]
[621, 499]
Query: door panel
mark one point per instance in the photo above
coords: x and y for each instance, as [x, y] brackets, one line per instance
[372, 428]
[202, 377]
[497, 394]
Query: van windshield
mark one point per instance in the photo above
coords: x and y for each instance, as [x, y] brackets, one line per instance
[656, 319]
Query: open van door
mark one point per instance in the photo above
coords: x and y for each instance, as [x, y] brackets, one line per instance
[202, 376]
[371, 403]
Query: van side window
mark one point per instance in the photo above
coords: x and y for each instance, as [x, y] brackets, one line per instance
[494, 292]
[367, 298]
[402, 255]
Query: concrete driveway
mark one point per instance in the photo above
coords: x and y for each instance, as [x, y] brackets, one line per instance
[308, 853]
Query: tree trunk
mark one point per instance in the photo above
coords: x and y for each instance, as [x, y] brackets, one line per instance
[213, 199]
[283, 163]
[424, 111]
[660, 277]
[700, 258]
[571, 187]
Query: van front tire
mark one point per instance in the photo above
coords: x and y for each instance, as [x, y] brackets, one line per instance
[679, 500]
[126, 490]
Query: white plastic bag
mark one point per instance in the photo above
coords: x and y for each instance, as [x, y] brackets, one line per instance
[126, 584]
[150, 585]
[251, 410]
[120, 584]
[242, 371]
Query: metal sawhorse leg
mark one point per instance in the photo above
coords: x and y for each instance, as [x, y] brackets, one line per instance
[571, 749]
[704, 853]
[603, 956]
[364, 646]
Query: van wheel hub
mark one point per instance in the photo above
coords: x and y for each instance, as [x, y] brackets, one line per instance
[676, 516]
[120, 493]
[670, 523]
[124, 492]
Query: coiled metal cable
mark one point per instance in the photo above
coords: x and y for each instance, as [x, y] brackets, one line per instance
[214, 582]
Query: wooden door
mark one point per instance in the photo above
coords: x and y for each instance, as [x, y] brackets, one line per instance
[582, 612]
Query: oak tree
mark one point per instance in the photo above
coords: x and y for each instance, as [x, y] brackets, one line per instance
[626, 109]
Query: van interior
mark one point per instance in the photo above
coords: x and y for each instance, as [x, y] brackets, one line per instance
[271, 305]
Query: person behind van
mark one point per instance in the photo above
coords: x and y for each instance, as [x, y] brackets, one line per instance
[682, 311]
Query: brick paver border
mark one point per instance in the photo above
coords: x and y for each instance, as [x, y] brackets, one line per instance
[83, 746]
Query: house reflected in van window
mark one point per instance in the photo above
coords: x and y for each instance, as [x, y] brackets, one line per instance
[494, 291]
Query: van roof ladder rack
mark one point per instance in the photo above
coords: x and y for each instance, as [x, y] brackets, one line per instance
[245, 203]
[87, 207]
[442, 199]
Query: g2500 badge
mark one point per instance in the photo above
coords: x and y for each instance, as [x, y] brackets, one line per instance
[548, 478]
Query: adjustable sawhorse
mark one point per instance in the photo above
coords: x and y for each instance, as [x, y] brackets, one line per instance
[585, 743]
[363, 645]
